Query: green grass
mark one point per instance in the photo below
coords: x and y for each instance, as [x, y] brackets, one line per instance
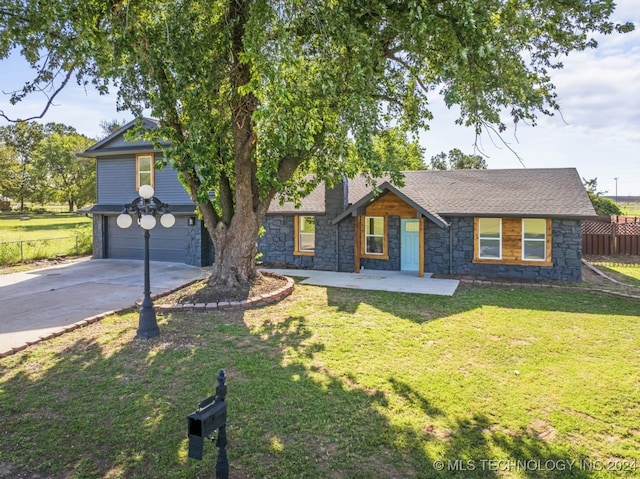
[626, 273]
[43, 235]
[339, 384]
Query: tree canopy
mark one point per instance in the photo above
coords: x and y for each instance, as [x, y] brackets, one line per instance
[62, 176]
[602, 205]
[457, 160]
[259, 97]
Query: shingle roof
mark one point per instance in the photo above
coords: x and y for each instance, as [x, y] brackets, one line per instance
[312, 203]
[548, 192]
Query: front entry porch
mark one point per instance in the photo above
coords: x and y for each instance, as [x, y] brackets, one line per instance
[379, 280]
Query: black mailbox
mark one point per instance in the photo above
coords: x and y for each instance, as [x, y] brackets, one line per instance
[202, 423]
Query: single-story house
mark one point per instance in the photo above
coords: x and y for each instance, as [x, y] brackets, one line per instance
[520, 223]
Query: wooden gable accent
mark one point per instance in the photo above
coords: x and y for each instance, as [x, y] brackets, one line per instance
[389, 204]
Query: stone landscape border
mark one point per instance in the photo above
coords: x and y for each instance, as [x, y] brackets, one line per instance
[253, 302]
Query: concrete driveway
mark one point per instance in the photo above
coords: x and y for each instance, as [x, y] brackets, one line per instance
[39, 302]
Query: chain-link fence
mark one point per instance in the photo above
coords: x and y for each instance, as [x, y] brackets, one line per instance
[19, 251]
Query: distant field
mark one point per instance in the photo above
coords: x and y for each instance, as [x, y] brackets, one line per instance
[630, 205]
[43, 235]
[630, 208]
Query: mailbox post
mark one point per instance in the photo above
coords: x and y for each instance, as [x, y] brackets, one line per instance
[203, 422]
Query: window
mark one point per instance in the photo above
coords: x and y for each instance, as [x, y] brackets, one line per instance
[374, 235]
[534, 239]
[144, 170]
[489, 238]
[305, 238]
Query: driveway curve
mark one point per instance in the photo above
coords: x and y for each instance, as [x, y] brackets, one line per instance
[36, 303]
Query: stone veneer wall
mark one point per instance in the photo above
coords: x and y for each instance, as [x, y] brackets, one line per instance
[99, 237]
[276, 244]
[207, 254]
[346, 232]
[199, 249]
[566, 252]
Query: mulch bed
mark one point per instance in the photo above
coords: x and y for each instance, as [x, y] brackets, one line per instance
[201, 292]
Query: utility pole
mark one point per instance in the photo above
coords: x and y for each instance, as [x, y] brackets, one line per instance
[616, 189]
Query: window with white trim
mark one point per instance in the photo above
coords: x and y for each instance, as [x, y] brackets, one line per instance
[374, 235]
[534, 239]
[144, 170]
[306, 230]
[489, 238]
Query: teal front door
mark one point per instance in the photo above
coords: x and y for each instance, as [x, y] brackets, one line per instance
[409, 245]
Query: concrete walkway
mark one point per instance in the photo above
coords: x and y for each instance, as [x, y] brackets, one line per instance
[396, 281]
[36, 303]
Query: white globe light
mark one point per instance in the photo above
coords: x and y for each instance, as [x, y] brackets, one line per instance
[148, 222]
[146, 191]
[124, 220]
[167, 220]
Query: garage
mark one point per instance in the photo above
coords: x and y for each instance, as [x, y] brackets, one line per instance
[165, 244]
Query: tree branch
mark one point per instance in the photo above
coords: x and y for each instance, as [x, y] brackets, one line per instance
[410, 69]
[49, 101]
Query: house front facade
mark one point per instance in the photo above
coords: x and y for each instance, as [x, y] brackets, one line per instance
[518, 224]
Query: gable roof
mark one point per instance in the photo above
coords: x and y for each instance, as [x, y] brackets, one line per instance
[116, 143]
[436, 194]
[400, 192]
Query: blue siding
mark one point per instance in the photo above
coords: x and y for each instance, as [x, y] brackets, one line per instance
[117, 182]
[168, 187]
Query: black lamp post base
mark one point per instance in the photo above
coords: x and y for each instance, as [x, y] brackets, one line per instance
[147, 324]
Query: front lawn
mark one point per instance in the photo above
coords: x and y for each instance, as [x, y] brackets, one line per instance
[495, 382]
[625, 269]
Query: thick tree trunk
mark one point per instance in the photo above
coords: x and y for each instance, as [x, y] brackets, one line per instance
[235, 250]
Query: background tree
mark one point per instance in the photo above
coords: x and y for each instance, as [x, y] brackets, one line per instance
[21, 139]
[602, 205]
[394, 151]
[265, 97]
[111, 126]
[62, 176]
[456, 160]
[10, 177]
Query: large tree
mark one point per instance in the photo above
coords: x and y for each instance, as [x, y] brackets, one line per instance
[259, 97]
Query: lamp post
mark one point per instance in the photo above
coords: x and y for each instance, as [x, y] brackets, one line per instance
[145, 209]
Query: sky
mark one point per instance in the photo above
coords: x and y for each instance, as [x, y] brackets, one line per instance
[598, 131]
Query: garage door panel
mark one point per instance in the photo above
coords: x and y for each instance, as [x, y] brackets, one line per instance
[165, 244]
